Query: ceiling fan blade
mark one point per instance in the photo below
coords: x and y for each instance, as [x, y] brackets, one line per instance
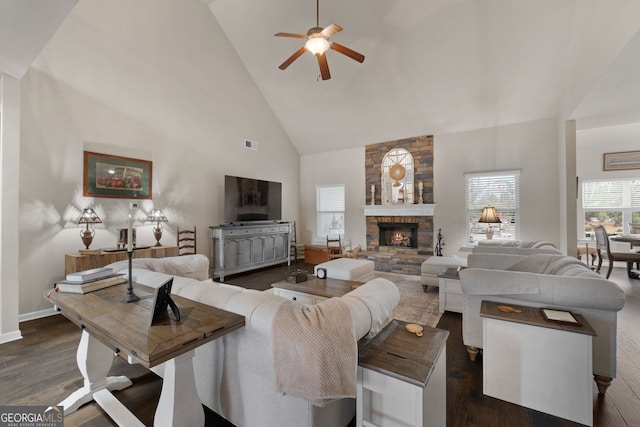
[324, 67]
[346, 51]
[331, 30]
[292, 58]
[295, 36]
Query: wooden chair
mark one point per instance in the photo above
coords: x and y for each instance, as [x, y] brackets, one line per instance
[186, 241]
[297, 249]
[604, 250]
[334, 247]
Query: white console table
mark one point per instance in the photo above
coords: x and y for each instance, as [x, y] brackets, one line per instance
[239, 248]
[536, 363]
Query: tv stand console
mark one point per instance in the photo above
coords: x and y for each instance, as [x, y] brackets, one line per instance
[239, 248]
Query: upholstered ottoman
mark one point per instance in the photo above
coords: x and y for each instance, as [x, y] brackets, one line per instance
[359, 270]
[434, 265]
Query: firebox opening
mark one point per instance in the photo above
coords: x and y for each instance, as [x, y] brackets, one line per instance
[404, 235]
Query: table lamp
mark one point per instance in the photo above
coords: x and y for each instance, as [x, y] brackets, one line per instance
[489, 216]
[89, 216]
[157, 216]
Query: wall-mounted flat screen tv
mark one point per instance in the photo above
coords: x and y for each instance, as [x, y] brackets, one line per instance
[249, 200]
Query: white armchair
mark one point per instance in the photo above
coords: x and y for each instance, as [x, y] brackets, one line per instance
[544, 280]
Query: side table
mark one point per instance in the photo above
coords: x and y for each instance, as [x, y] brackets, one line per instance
[450, 297]
[402, 378]
[537, 363]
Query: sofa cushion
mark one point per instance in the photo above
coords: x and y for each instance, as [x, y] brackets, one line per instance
[190, 266]
[559, 265]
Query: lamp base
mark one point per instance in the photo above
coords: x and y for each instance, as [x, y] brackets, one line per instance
[489, 233]
[157, 233]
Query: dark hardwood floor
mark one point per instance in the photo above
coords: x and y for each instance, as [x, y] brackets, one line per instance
[40, 369]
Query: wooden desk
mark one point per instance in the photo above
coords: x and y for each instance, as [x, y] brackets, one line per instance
[314, 290]
[111, 328]
[77, 262]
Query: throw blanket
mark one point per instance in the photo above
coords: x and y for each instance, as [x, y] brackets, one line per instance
[315, 353]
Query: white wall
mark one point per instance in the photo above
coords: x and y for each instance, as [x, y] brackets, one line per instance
[531, 147]
[592, 144]
[9, 169]
[335, 167]
[152, 79]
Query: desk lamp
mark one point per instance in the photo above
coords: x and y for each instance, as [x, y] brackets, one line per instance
[157, 216]
[489, 216]
[89, 216]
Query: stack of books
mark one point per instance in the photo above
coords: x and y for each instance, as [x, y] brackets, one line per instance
[82, 282]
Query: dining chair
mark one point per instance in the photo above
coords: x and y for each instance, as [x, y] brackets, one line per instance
[604, 251]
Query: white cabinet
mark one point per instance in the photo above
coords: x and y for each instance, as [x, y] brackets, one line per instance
[239, 248]
[538, 364]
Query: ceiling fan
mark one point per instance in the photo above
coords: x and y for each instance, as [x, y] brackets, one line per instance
[318, 43]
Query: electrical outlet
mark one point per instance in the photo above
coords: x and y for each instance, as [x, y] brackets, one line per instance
[134, 205]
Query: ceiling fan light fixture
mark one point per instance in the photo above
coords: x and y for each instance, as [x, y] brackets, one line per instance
[317, 45]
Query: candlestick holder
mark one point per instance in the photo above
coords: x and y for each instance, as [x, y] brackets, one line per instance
[130, 296]
[373, 196]
[420, 200]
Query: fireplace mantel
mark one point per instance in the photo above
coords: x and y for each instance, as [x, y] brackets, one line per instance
[399, 210]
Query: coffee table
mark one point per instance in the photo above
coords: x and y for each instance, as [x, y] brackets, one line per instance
[111, 328]
[314, 290]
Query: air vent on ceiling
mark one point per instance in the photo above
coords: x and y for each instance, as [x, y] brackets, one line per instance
[250, 144]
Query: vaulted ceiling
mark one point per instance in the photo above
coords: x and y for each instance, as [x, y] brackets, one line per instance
[432, 66]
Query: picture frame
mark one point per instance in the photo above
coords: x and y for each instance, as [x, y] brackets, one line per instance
[622, 160]
[116, 177]
[560, 316]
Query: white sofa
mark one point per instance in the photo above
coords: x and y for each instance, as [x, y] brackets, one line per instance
[544, 280]
[527, 247]
[235, 374]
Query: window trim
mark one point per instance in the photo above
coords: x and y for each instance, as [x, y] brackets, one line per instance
[341, 232]
[516, 174]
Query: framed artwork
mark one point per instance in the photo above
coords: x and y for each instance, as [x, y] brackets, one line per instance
[118, 177]
[623, 160]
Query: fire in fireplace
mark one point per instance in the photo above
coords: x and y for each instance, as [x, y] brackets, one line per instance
[404, 235]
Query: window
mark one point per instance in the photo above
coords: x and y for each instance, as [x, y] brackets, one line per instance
[398, 189]
[612, 204]
[330, 210]
[500, 190]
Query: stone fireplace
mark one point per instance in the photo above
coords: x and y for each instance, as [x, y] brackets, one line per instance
[400, 236]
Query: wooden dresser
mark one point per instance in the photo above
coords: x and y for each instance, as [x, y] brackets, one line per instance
[77, 262]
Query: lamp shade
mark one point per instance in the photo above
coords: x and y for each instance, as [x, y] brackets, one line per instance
[156, 215]
[489, 215]
[89, 216]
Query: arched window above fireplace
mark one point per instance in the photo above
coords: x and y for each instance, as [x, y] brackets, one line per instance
[397, 177]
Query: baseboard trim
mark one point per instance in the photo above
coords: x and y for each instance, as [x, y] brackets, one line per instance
[37, 314]
[10, 336]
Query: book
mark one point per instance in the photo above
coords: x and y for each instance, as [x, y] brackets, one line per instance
[93, 285]
[87, 275]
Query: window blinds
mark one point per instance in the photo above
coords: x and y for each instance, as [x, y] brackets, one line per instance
[498, 189]
[330, 210]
